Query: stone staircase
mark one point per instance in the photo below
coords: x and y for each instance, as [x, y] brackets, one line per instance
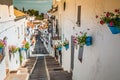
[55, 70]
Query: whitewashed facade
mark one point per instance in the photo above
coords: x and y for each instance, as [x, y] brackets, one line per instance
[14, 31]
[101, 59]
[6, 22]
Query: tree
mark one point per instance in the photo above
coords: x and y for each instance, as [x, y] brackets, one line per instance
[23, 9]
[15, 8]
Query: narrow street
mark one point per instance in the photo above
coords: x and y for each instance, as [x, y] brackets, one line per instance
[39, 72]
[59, 40]
[47, 68]
[39, 48]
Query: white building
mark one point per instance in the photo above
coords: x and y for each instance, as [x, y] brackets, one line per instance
[11, 27]
[100, 61]
[6, 23]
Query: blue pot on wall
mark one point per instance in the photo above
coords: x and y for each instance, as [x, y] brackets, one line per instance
[88, 41]
[114, 29]
[59, 48]
[1, 49]
[67, 46]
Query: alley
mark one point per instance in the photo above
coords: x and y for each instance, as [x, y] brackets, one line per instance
[39, 72]
[39, 48]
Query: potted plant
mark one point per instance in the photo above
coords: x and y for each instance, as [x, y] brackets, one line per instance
[66, 44]
[82, 39]
[112, 19]
[13, 49]
[2, 44]
[59, 46]
[27, 45]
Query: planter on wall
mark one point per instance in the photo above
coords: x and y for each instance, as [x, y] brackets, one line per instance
[59, 48]
[114, 29]
[1, 49]
[66, 46]
[88, 41]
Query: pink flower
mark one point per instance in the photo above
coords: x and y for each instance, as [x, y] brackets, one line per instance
[111, 23]
[107, 14]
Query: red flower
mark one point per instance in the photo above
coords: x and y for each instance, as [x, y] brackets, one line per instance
[116, 10]
[102, 22]
[107, 14]
[111, 23]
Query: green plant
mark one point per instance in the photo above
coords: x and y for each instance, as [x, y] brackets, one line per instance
[13, 49]
[111, 18]
[2, 43]
[27, 45]
[66, 42]
[58, 45]
[82, 39]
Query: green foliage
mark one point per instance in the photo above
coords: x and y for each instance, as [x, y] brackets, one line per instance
[81, 39]
[27, 45]
[40, 17]
[58, 45]
[111, 18]
[32, 12]
[66, 42]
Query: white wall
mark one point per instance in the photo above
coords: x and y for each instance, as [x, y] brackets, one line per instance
[101, 60]
[68, 21]
[2, 70]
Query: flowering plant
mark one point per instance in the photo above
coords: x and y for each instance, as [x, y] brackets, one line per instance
[111, 18]
[2, 43]
[66, 42]
[81, 39]
[58, 45]
[13, 49]
[27, 45]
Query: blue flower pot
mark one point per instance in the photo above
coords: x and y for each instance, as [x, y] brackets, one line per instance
[59, 48]
[23, 49]
[1, 49]
[67, 46]
[114, 29]
[88, 41]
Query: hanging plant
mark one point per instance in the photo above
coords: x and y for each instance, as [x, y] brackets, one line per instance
[66, 44]
[82, 39]
[2, 43]
[112, 19]
[27, 45]
[59, 46]
[13, 49]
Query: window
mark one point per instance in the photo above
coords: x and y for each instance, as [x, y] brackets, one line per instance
[80, 54]
[64, 6]
[78, 16]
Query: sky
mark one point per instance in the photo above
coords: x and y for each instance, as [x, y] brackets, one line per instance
[41, 5]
